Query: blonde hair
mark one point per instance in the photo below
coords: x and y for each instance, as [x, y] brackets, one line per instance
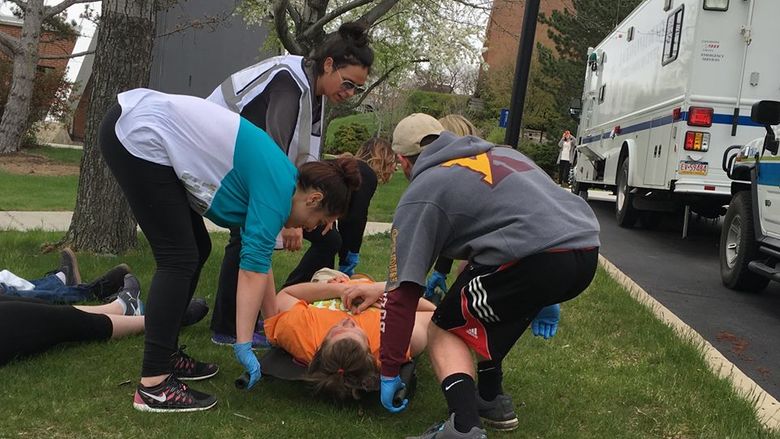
[343, 369]
[379, 155]
[455, 123]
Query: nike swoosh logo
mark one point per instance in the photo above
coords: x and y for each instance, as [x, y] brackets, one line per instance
[155, 397]
[446, 388]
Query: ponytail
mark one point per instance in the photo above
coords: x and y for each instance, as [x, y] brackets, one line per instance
[336, 179]
[342, 370]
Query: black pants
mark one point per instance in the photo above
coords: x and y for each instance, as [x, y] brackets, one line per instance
[31, 326]
[563, 171]
[176, 233]
[489, 308]
[321, 254]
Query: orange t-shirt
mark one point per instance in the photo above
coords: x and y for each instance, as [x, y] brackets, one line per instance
[301, 329]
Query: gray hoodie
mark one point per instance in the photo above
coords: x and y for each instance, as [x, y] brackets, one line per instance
[471, 200]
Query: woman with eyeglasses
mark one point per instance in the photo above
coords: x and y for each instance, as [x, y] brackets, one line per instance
[285, 96]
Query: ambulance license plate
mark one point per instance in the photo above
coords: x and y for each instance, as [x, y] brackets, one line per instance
[691, 167]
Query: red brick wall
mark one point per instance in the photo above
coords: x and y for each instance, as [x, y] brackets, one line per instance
[48, 46]
[503, 33]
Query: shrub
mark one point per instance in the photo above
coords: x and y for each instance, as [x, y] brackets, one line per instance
[436, 104]
[347, 138]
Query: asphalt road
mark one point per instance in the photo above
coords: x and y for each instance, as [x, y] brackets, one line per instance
[684, 275]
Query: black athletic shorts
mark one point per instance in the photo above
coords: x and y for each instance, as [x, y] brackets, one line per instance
[490, 307]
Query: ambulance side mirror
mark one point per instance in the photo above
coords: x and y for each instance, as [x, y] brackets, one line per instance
[575, 109]
[767, 113]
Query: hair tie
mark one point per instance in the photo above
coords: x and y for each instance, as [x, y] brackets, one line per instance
[341, 371]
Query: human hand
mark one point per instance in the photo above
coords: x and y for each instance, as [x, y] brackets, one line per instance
[247, 358]
[436, 279]
[546, 322]
[359, 297]
[347, 266]
[292, 237]
[387, 390]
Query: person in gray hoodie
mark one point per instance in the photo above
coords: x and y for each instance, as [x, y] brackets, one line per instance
[530, 245]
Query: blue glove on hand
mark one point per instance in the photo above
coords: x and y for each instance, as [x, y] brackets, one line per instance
[546, 322]
[387, 389]
[435, 280]
[347, 266]
[247, 358]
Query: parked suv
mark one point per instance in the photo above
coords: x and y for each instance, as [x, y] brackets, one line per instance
[750, 237]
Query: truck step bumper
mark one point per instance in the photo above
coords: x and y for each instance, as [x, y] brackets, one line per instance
[764, 270]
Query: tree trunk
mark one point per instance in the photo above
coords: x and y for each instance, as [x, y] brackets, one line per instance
[14, 122]
[102, 221]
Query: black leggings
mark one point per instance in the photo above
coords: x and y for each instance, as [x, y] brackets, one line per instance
[563, 171]
[30, 326]
[176, 233]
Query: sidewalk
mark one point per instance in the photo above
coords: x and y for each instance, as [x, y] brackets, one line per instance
[60, 222]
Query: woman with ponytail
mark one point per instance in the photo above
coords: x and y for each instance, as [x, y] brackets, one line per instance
[179, 159]
[286, 96]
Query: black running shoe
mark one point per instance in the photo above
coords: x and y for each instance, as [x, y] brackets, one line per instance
[499, 413]
[187, 368]
[171, 396]
[70, 266]
[108, 285]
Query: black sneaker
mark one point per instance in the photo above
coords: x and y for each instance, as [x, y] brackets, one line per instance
[196, 310]
[70, 266]
[498, 414]
[187, 368]
[106, 286]
[171, 396]
[130, 296]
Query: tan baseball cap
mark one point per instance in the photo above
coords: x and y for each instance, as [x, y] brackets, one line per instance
[411, 130]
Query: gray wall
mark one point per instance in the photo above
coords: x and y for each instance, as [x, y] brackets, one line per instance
[195, 61]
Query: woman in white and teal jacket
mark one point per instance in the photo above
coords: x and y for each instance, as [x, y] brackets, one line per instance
[178, 159]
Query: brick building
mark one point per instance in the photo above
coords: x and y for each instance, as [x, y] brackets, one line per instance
[503, 33]
[49, 46]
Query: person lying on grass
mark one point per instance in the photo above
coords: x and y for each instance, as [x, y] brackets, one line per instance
[30, 326]
[339, 346]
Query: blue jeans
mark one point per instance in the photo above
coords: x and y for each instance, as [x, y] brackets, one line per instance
[51, 289]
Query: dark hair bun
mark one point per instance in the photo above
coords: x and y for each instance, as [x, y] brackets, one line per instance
[349, 171]
[354, 32]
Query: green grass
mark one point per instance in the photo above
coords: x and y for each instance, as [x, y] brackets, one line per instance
[37, 192]
[386, 198]
[613, 371]
[59, 155]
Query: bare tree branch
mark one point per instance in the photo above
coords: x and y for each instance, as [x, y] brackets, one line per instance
[50, 11]
[376, 12]
[9, 44]
[319, 24]
[294, 14]
[20, 3]
[72, 55]
[282, 30]
[383, 78]
[212, 22]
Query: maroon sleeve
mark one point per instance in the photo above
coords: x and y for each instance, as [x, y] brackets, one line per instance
[397, 325]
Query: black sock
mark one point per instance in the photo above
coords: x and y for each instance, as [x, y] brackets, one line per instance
[490, 377]
[461, 398]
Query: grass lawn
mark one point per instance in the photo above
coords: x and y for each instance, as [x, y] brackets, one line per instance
[613, 371]
[60, 155]
[386, 198]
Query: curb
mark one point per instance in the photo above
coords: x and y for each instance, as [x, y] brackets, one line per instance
[767, 407]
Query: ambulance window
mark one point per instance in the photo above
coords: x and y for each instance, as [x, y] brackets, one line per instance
[673, 35]
[716, 5]
[602, 92]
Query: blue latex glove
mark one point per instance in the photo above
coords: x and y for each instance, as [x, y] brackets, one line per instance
[247, 358]
[546, 322]
[347, 266]
[388, 387]
[436, 279]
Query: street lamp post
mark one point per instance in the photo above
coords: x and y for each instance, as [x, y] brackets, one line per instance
[522, 68]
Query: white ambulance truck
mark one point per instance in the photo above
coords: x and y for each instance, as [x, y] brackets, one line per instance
[665, 94]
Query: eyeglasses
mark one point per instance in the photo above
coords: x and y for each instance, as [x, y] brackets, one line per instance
[348, 85]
